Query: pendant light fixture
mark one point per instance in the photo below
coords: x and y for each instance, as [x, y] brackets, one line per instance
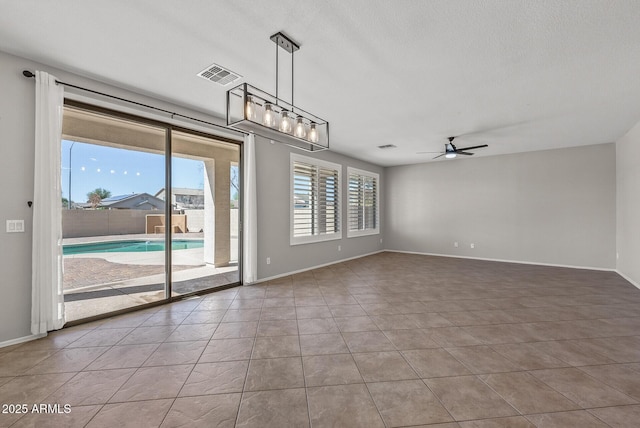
[254, 110]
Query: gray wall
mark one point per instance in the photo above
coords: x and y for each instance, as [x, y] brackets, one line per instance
[628, 204]
[554, 206]
[273, 175]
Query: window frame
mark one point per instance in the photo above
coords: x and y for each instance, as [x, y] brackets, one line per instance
[354, 233]
[318, 163]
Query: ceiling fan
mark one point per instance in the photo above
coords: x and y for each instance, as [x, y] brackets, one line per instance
[451, 151]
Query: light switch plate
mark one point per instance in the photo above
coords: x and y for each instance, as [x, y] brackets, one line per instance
[15, 226]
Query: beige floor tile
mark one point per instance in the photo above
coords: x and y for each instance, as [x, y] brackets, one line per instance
[303, 312]
[166, 318]
[273, 409]
[150, 383]
[452, 337]
[368, 341]
[582, 388]
[527, 357]
[68, 360]
[277, 328]
[275, 373]
[235, 330]
[407, 402]
[204, 317]
[482, 359]
[276, 347]
[429, 320]
[102, 337]
[339, 311]
[322, 344]
[174, 353]
[410, 339]
[508, 422]
[578, 418]
[527, 394]
[32, 389]
[395, 322]
[617, 376]
[215, 411]
[317, 326]
[466, 397]
[618, 349]
[278, 302]
[241, 315]
[383, 366]
[216, 378]
[342, 406]
[336, 369]
[18, 362]
[434, 363]
[132, 415]
[156, 334]
[278, 313]
[77, 417]
[618, 417]
[355, 324]
[227, 350]
[125, 356]
[191, 332]
[570, 352]
[310, 301]
[94, 387]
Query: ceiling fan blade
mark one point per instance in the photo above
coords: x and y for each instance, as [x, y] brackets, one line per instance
[464, 153]
[440, 155]
[473, 147]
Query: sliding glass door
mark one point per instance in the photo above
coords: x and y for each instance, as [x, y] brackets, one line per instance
[149, 212]
[205, 204]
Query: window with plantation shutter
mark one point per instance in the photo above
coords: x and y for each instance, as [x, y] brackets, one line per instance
[363, 213]
[315, 200]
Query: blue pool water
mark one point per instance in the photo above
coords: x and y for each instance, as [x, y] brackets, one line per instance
[130, 246]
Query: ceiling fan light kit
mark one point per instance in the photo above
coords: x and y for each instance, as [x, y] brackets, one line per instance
[254, 110]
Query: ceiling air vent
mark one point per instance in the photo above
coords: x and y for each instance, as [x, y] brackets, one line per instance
[387, 146]
[218, 74]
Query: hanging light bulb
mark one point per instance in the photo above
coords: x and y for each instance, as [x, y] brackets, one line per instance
[250, 108]
[299, 130]
[285, 122]
[313, 133]
[450, 155]
[269, 118]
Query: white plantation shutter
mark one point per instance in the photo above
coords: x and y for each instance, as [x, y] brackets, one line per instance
[363, 213]
[315, 204]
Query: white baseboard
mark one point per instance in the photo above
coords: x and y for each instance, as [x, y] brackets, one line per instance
[631, 281]
[21, 340]
[313, 267]
[505, 261]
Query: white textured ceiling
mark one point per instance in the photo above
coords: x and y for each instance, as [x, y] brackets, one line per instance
[519, 75]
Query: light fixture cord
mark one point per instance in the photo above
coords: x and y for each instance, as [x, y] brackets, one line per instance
[292, 103]
[277, 68]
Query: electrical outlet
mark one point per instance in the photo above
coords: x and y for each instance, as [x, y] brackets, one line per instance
[455, 244]
[381, 240]
[472, 245]
[339, 247]
[268, 260]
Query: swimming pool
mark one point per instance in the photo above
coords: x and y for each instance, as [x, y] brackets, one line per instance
[130, 246]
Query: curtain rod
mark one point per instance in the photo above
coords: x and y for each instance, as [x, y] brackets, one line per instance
[29, 74]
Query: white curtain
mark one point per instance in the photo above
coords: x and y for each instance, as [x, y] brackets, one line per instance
[47, 299]
[250, 217]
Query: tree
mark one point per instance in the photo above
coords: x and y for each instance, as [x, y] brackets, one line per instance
[97, 195]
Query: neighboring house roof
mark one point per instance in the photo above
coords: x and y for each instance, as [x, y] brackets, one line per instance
[181, 191]
[135, 201]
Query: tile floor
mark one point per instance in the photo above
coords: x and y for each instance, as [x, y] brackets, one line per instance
[386, 340]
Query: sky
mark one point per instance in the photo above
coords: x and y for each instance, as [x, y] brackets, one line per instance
[122, 171]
